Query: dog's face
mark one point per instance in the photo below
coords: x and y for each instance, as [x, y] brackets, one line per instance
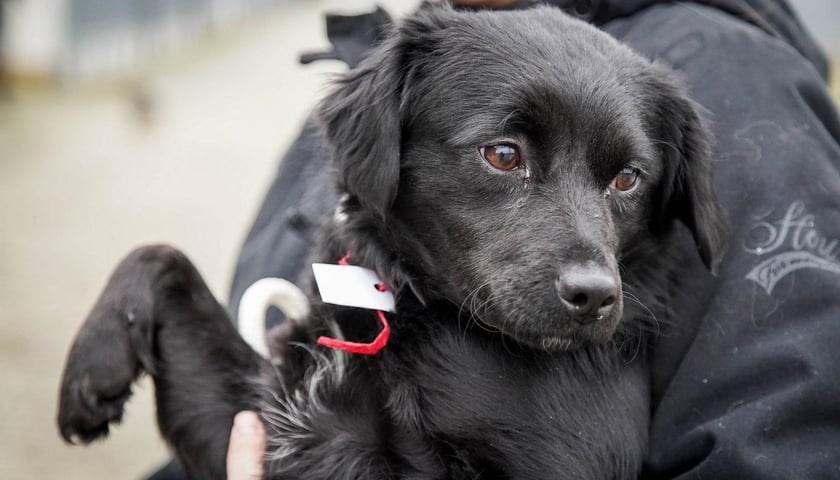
[508, 161]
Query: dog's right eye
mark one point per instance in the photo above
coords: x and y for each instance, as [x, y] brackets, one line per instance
[502, 157]
[626, 179]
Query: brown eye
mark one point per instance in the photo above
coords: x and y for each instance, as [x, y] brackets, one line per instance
[626, 179]
[503, 156]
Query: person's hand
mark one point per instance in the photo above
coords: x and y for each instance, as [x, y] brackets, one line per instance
[246, 448]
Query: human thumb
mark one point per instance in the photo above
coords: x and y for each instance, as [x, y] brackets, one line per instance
[246, 448]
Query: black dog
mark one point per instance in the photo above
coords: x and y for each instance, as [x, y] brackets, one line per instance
[513, 176]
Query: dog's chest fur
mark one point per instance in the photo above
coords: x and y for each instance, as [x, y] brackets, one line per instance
[448, 399]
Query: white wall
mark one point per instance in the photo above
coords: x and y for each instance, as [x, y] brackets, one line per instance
[33, 35]
[35, 40]
[822, 18]
[394, 7]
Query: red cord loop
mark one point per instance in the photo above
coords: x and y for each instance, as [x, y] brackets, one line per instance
[371, 348]
[345, 260]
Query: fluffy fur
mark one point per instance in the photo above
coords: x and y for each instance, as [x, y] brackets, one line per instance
[488, 374]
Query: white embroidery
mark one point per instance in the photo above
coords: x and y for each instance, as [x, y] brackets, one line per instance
[807, 248]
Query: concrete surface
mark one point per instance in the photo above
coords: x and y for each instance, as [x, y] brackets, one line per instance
[83, 180]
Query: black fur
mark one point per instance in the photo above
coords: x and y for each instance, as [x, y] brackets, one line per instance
[486, 374]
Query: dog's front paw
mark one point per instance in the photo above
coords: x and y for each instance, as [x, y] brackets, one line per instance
[114, 345]
[97, 378]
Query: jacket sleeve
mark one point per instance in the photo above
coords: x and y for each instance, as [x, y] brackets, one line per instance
[282, 236]
[746, 383]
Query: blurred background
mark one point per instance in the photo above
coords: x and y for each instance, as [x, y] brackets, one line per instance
[125, 122]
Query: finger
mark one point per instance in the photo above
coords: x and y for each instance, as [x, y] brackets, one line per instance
[247, 447]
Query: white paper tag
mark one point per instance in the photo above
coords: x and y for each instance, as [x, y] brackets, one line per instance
[351, 286]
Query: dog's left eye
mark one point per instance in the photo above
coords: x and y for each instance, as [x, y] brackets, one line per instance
[626, 179]
[503, 156]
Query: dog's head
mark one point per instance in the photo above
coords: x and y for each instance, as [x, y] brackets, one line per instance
[508, 161]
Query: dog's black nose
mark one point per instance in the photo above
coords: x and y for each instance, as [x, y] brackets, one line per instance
[588, 294]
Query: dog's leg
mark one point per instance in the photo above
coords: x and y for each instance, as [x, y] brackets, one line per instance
[157, 315]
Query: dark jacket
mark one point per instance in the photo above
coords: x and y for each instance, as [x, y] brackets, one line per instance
[746, 381]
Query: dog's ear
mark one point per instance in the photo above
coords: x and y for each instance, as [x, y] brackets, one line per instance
[361, 119]
[363, 116]
[685, 145]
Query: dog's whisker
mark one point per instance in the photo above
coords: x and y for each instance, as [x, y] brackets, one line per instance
[514, 321]
[476, 318]
[656, 141]
[503, 123]
[470, 299]
[653, 321]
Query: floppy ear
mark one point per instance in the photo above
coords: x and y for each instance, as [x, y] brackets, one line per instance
[688, 195]
[362, 122]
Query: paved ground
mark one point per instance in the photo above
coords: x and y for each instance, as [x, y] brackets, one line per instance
[82, 181]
